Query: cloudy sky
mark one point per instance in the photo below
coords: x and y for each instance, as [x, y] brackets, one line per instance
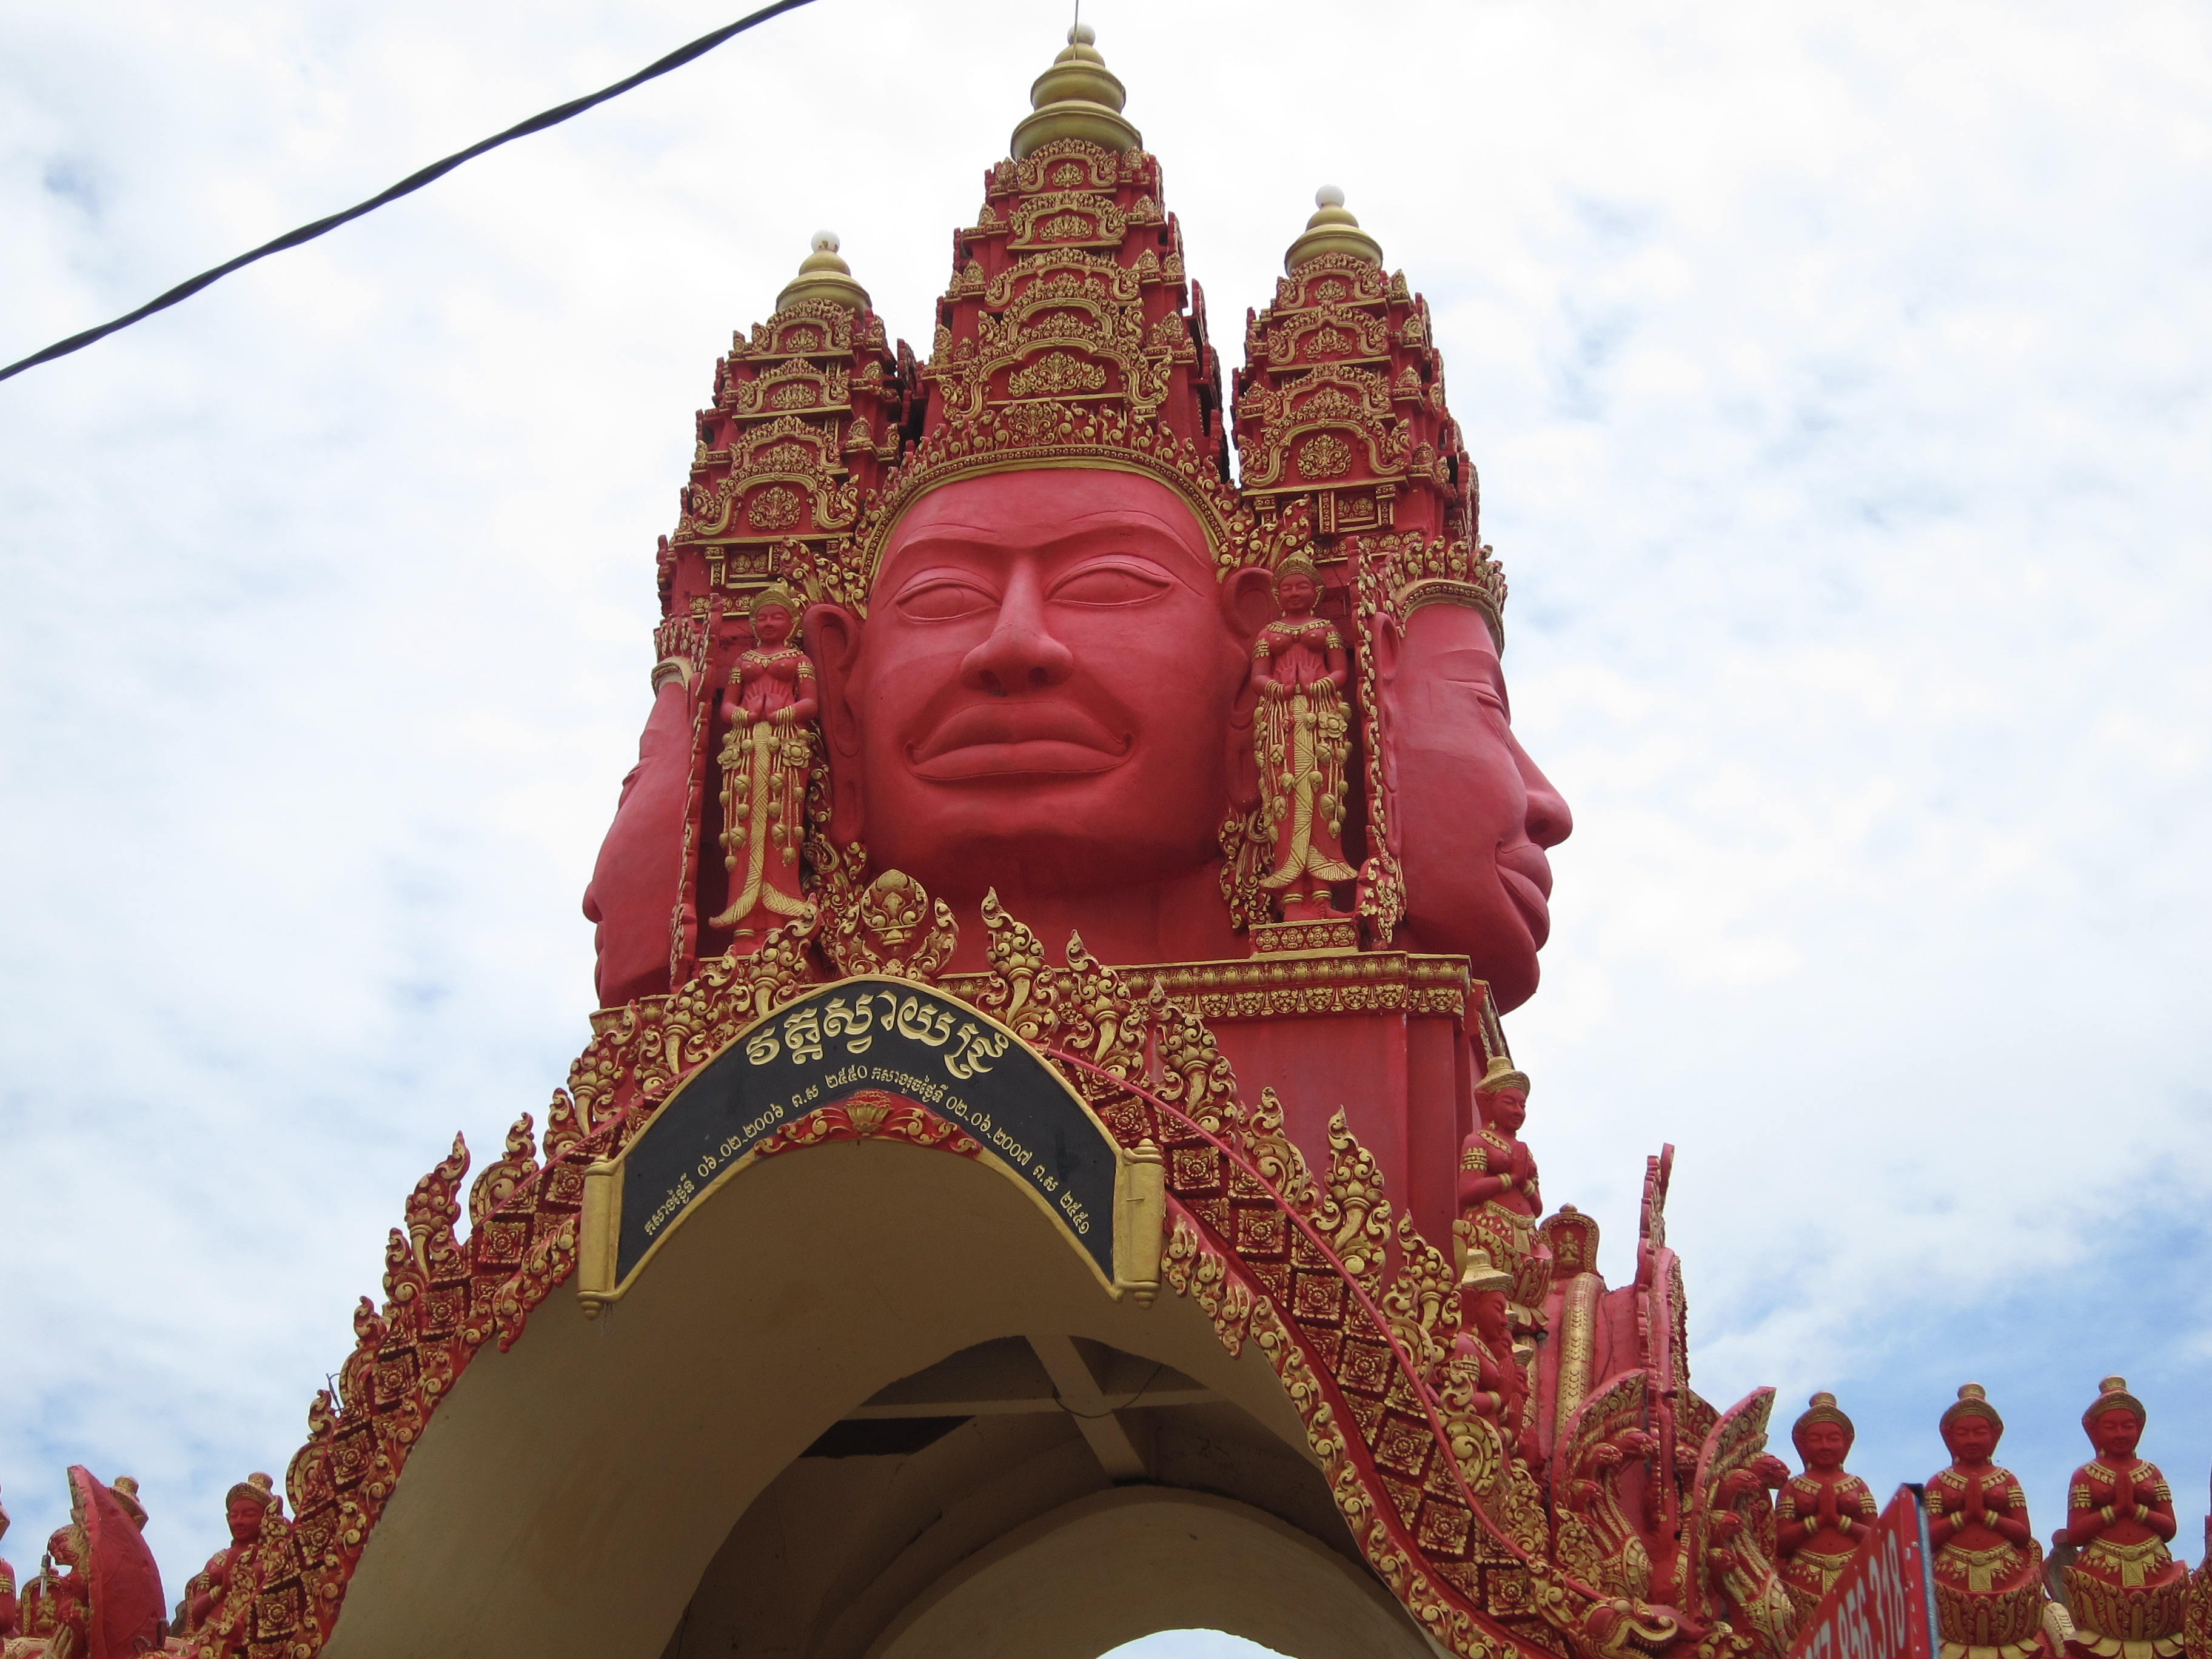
[1838, 372]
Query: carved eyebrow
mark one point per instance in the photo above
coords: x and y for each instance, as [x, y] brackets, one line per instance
[1083, 527]
[1489, 676]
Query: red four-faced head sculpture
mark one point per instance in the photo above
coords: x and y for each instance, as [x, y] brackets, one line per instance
[1053, 654]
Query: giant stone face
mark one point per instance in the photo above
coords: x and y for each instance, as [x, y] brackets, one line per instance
[1049, 697]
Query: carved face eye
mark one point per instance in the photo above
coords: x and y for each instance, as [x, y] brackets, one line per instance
[942, 598]
[1473, 672]
[1117, 581]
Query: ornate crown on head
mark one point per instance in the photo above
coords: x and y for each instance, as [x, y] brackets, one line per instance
[1973, 1400]
[1070, 336]
[1822, 1408]
[1501, 1075]
[2112, 1396]
[256, 1488]
[779, 594]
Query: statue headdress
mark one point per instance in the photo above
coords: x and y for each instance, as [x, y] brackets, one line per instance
[126, 1495]
[2112, 1396]
[1502, 1075]
[1822, 1408]
[778, 592]
[1973, 1400]
[256, 1488]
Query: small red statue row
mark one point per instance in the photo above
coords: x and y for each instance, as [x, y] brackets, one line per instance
[2110, 1589]
[98, 1593]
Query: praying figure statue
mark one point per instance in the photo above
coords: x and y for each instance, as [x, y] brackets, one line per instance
[1301, 733]
[1824, 1513]
[246, 1506]
[2127, 1594]
[1989, 1570]
[766, 757]
[1499, 1199]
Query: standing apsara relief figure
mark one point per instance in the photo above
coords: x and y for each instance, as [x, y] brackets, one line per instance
[767, 756]
[1301, 733]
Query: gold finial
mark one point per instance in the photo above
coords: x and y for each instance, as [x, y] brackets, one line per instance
[1972, 1391]
[1332, 230]
[1079, 97]
[2113, 1385]
[1823, 1398]
[824, 275]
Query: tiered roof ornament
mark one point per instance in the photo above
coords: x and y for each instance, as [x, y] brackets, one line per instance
[1340, 412]
[807, 419]
[1070, 334]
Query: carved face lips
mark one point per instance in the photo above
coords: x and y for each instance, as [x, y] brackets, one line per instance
[1526, 875]
[1003, 740]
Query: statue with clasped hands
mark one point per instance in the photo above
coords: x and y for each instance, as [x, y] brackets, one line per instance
[1825, 1514]
[1301, 732]
[767, 756]
[2126, 1593]
[1989, 1570]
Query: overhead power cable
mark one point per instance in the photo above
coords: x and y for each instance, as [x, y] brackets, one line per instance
[413, 182]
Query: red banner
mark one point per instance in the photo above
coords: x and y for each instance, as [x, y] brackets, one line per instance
[1883, 1606]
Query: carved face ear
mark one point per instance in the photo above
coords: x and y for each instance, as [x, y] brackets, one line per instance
[1247, 605]
[833, 641]
[1389, 645]
[1248, 602]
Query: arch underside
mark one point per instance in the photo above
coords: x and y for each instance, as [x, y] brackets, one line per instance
[869, 1404]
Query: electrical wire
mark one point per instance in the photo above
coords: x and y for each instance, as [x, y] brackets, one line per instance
[413, 182]
[1094, 1417]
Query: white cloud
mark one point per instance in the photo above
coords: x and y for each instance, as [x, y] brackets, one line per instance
[1837, 375]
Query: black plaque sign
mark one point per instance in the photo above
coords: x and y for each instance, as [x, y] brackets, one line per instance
[883, 1034]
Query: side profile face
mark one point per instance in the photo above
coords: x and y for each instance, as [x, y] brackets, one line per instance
[1823, 1446]
[1473, 816]
[1043, 686]
[2117, 1433]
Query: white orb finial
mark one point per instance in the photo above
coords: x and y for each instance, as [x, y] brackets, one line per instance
[1328, 196]
[825, 242]
[1082, 35]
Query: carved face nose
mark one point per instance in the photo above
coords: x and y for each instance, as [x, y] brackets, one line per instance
[1021, 655]
[1549, 821]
